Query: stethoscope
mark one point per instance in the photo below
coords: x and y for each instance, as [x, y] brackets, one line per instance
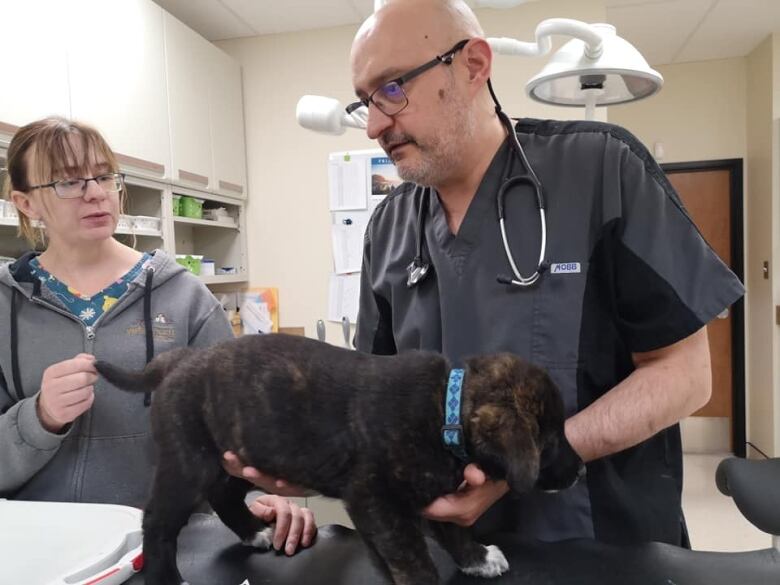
[418, 268]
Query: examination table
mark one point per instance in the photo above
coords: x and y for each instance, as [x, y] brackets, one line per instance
[209, 554]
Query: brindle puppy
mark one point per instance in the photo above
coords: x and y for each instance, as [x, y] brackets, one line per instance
[363, 428]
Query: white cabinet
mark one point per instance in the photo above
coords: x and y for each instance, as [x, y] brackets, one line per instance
[187, 68]
[35, 70]
[117, 79]
[168, 102]
[226, 108]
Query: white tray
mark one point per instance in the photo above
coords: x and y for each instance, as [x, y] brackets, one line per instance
[48, 543]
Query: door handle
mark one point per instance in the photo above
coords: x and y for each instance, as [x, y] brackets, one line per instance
[724, 314]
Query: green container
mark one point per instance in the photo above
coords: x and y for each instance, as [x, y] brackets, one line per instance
[191, 262]
[192, 207]
[176, 205]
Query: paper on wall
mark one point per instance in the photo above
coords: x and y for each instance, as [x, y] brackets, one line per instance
[344, 296]
[348, 182]
[347, 231]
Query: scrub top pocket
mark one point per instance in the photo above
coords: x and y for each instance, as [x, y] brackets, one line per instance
[557, 315]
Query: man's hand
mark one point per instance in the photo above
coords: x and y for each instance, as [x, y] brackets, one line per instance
[235, 467]
[294, 525]
[475, 495]
[67, 391]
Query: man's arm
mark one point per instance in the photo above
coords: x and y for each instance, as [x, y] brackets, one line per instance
[668, 384]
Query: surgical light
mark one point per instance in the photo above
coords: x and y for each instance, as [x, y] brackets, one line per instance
[596, 68]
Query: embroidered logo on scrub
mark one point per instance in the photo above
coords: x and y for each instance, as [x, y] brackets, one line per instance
[565, 268]
[163, 329]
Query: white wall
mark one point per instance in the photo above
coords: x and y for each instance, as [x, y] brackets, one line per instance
[289, 237]
[698, 115]
[758, 242]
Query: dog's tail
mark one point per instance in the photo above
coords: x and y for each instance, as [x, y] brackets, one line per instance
[148, 379]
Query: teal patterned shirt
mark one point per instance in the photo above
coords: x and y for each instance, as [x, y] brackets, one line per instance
[88, 308]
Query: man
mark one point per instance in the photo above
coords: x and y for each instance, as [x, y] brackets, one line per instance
[619, 317]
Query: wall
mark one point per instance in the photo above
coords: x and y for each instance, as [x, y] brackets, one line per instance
[698, 115]
[758, 243]
[289, 237]
[775, 221]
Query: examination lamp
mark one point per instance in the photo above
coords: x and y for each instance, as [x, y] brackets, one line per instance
[596, 68]
[327, 115]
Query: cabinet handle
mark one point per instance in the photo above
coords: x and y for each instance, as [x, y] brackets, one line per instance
[193, 177]
[8, 128]
[227, 186]
[140, 163]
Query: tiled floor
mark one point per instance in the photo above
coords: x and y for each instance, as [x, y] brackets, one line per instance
[714, 522]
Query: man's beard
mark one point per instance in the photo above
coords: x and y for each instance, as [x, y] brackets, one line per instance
[437, 157]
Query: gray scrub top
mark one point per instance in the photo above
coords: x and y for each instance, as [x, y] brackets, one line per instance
[629, 273]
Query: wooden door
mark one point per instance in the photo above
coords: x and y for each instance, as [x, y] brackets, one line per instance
[707, 197]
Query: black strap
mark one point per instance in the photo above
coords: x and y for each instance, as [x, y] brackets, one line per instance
[148, 325]
[17, 378]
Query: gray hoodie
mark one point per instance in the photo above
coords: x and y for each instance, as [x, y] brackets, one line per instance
[107, 454]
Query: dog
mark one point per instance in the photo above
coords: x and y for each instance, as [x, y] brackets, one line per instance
[363, 428]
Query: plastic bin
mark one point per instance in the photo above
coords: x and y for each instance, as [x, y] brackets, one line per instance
[192, 207]
[176, 204]
[207, 267]
[146, 223]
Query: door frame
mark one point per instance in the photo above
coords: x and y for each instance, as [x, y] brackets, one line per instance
[735, 168]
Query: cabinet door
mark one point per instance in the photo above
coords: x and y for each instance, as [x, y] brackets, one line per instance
[187, 68]
[33, 37]
[117, 79]
[227, 125]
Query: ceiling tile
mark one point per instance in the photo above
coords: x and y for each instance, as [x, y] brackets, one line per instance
[658, 29]
[733, 29]
[208, 18]
[289, 15]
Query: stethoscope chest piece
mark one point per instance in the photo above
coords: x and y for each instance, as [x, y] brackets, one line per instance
[417, 270]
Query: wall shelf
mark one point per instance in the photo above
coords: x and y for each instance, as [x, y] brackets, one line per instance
[206, 222]
[225, 278]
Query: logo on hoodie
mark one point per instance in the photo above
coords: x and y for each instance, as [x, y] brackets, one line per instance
[163, 329]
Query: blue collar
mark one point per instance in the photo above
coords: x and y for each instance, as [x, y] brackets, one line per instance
[452, 431]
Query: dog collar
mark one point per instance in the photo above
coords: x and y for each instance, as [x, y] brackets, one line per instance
[452, 431]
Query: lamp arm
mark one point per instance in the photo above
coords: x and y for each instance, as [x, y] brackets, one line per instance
[357, 119]
[546, 29]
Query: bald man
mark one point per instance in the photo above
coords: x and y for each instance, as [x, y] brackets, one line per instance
[618, 318]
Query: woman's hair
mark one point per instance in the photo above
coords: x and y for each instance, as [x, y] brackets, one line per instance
[53, 148]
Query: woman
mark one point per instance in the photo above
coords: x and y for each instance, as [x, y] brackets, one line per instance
[64, 434]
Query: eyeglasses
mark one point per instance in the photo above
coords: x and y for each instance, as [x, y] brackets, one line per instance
[75, 188]
[390, 98]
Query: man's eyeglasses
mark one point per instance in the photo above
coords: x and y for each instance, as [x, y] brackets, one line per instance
[390, 98]
[75, 188]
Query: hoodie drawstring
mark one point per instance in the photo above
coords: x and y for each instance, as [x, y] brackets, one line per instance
[148, 325]
[14, 348]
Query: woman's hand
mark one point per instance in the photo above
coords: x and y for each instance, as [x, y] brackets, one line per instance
[235, 467]
[67, 391]
[475, 495]
[294, 525]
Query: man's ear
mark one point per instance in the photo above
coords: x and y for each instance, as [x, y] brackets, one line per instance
[479, 59]
[24, 204]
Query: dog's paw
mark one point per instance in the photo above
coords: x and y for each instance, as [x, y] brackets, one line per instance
[262, 540]
[493, 565]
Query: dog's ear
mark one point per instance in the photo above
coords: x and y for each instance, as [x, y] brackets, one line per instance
[523, 457]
